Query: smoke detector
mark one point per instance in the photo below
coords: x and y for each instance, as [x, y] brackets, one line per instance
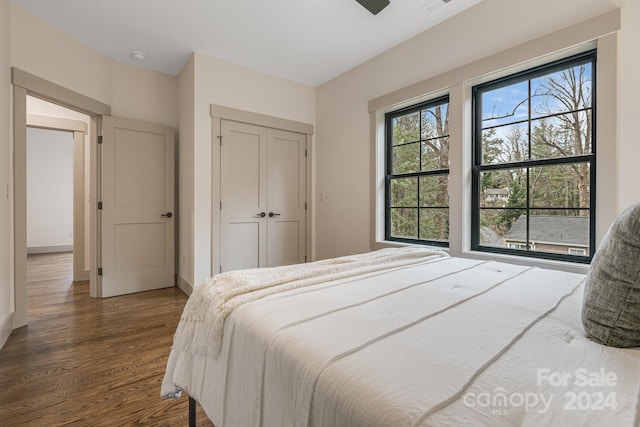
[139, 56]
[434, 5]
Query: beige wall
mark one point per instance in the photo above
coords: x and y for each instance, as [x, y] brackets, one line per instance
[42, 50]
[223, 83]
[6, 286]
[338, 109]
[629, 116]
[186, 95]
[140, 94]
[343, 152]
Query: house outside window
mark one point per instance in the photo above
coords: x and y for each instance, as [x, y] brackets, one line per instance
[534, 162]
[417, 173]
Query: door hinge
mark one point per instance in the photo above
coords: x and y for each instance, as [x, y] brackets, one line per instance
[221, 269]
[100, 139]
[220, 205]
[305, 258]
[220, 139]
[305, 206]
[99, 205]
[100, 271]
[305, 152]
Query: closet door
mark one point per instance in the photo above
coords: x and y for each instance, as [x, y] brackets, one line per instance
[262, 195]
[286, 190]
[243, 195]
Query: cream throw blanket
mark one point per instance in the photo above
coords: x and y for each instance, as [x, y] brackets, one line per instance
[201, 326]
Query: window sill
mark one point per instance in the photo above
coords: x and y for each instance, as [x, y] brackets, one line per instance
[485, 256]
[532, 262]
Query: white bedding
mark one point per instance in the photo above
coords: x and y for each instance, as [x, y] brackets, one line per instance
[444, 342]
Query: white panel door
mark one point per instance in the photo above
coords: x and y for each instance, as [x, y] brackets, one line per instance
[136, 220]
[263, 195]
[243, 195]
[286, 191]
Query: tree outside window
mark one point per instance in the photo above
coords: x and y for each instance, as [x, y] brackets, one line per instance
[417, 176]
[534, 147]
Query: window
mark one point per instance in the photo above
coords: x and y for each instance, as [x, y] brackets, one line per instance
[417, 173]
[534, 144]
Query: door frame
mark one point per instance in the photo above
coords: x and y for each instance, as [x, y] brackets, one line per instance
[219, 113]
[27, 84]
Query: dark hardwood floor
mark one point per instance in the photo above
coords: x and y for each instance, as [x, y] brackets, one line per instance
[83, 361]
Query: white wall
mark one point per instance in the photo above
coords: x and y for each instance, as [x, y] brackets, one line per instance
[223, 83]
[49, 190]
[43, 108]
[6, 280]
[343, 152]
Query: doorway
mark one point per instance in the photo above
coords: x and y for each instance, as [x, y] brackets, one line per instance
[57, 183]
[24, 85]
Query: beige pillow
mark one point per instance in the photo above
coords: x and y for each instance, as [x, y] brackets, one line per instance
[611, 306]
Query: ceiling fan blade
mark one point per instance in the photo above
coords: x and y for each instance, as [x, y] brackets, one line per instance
[374, 6]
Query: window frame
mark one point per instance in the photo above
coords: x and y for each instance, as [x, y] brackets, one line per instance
[389, 175]
[477, 167]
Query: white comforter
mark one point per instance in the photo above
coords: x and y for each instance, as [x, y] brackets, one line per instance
[443, 342]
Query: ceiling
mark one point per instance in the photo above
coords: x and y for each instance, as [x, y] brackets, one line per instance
[307, 41]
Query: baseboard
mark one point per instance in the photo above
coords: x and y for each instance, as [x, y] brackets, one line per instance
[184, 285]
[5, 329]
[49, 249]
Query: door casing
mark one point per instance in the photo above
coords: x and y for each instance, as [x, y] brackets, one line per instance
[219, 113]
[27, 84]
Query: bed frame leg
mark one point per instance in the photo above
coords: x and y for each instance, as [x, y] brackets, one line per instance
[192, 412]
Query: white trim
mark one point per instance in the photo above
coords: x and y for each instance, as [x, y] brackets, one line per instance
[251, 118]
[56, 123]
[184, 285]
[572, 267]
[5, 329]
[49, 249]
[43, 89]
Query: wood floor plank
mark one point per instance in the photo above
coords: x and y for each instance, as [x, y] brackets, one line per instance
[83, 361]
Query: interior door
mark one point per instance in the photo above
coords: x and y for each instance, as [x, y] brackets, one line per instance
[137, 196]
[243, 195]
[263, 195]
[286, 190]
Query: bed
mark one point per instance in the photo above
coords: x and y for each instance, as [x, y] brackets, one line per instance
[399, 337]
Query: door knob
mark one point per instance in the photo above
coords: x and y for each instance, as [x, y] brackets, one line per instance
[271, 214]
[262, 214]
[167, 215]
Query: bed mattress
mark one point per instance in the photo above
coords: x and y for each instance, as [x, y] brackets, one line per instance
[436, 342]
